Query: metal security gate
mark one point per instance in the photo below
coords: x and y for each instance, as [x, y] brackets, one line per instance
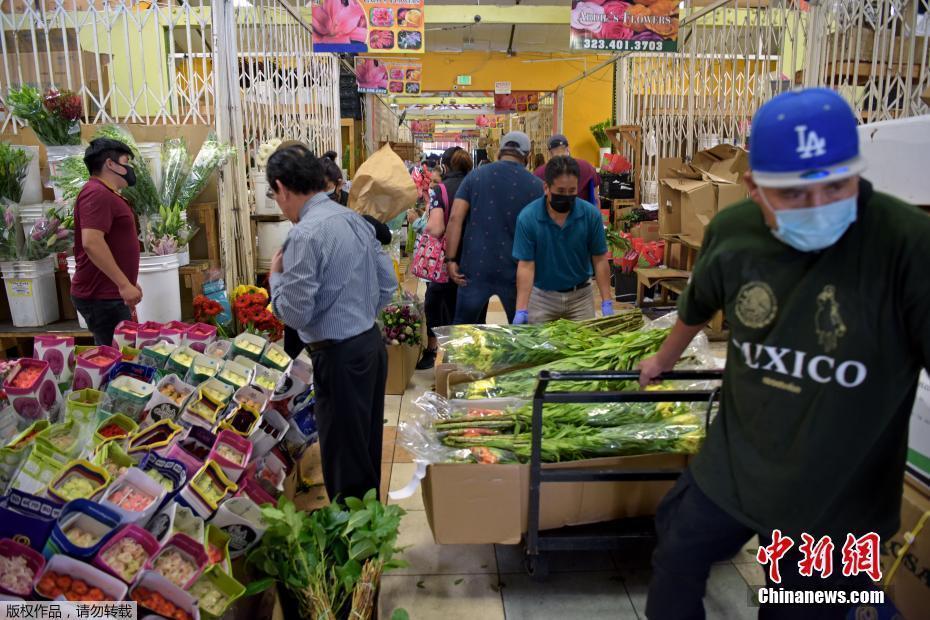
[734, 55]
[243, 68]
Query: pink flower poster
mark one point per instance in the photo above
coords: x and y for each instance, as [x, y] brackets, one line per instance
[624, 25]
[359, 26]
[382, 77]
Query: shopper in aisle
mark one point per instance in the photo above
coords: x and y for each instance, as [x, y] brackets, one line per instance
[329, 282]
[823, 281]
[489, 199]
[106, 246]
[293, 345]
[588, 179]
[439, 303]
[560, 244]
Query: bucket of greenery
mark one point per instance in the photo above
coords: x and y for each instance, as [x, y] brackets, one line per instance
[331, 560]
[599, 131]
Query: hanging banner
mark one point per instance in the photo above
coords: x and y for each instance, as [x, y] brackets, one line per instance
[517, 101]
[637, 26]
[359, 26]
[422, 130]
[382, 77]
[490, 121]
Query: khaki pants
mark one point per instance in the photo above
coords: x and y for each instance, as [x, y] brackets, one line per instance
[548, 306]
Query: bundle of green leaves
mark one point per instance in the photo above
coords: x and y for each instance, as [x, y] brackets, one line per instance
[14, 163]
[324, 557]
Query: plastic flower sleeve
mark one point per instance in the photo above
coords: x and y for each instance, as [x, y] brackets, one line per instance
[176, 166]
[212, 155]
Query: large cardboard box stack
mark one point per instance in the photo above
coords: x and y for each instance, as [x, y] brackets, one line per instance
[909, 586]
[690, 195]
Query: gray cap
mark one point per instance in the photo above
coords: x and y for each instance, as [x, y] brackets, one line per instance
[557, 140]
[516, 140]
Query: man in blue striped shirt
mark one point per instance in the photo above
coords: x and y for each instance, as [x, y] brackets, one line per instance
[329, 282]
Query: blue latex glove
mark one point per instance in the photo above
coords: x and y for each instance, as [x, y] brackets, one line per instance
[607, 307]
[522, 317]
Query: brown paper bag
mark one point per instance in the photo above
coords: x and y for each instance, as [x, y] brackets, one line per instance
[382, 187]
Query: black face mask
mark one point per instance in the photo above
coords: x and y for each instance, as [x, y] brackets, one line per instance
[130, 176]
[561, 203]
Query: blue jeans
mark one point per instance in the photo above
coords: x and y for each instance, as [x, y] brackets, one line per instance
[471, 307]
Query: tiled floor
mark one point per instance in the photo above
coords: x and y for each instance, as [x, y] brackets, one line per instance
[488, 582]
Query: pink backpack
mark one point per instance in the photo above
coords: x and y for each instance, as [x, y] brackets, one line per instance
[429, 257]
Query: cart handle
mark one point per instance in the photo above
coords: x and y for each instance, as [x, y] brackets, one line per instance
[628, 375]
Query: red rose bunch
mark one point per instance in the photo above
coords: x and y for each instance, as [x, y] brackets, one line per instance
[65, 104]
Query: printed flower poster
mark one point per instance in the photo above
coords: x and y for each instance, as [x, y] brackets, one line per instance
[381, 77]
[620, 26]
[516, 101]
[359, 26]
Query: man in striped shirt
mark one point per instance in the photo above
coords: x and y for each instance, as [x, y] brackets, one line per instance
[329, 282]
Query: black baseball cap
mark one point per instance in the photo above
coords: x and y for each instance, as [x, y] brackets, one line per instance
[556, 141]
[102, 145]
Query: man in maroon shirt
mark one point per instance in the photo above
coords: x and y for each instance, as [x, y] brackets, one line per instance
[588, 179]
[106, 244]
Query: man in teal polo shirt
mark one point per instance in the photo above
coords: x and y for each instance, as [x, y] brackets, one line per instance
[559, 244]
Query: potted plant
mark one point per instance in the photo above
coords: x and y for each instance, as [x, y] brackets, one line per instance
[54, 116]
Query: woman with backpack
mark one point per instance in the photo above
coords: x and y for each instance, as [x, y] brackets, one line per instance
[439, 304]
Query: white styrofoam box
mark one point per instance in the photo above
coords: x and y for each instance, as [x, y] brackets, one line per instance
[918, 438]
[895, 152]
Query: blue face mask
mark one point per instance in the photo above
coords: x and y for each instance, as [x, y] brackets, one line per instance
[814, 228]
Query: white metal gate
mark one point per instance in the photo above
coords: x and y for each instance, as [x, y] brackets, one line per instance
[736, 54]
[244, 68]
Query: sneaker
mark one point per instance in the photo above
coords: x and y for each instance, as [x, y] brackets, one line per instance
[428, 360]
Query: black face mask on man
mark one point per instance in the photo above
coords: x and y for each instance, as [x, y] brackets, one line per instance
[561, 203]
[129, 176]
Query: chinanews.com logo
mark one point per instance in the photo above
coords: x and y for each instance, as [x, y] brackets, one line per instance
[858, 557]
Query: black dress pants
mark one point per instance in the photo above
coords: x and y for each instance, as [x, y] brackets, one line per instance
[349, 378]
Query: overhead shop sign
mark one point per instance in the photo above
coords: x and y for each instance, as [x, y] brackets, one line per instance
[381, 77]
[359, 26]
[638, 26]
[422, 130]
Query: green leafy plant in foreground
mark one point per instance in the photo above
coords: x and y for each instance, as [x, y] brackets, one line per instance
[329, 557]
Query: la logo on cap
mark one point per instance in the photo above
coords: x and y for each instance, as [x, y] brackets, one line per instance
[809, 143]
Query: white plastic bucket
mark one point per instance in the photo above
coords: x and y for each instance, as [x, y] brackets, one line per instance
[161, 289]
[56, 155]
[72, 267]
[270, 238]
[31, 291]
[29, 214]
[650, 192]
[184, 256]
[263, 204]
[32, 184]
[151, 153]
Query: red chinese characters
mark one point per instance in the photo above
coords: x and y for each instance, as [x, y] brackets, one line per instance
[859, 556]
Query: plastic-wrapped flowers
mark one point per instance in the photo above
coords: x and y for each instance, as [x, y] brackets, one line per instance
[265, 151]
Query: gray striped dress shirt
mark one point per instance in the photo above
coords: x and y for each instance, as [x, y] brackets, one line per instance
[336, 276]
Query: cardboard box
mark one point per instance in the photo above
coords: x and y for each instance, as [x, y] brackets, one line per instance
[647, 231]
[688, 202]
[402, 361]
[669, 217]
[889, 50]
[925, 96]
[918, 438]
[480, 504]
[909, 586]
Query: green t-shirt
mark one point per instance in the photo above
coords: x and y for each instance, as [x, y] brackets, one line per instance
[822, 367]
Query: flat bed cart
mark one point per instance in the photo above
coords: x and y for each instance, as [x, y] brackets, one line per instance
[612, 534]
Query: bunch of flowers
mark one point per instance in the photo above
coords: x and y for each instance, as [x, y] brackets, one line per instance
[51, 234]
[54, 116]
[401, 323]
[169, 232]
[252, 308]
[13, 169]
[9, 228]
[265, 151]
[208, 311]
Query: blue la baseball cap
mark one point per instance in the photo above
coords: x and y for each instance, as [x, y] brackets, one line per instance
[804, 137]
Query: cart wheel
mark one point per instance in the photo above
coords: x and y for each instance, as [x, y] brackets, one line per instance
[537, 567]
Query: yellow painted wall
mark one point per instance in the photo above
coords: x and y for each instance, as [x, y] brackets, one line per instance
[587, 102]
